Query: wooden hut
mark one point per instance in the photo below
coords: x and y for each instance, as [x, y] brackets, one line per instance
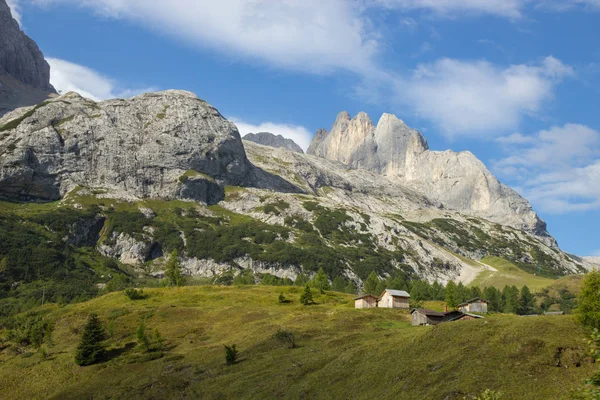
[391, 298]
[423, 316]
[365, 301]
[474, 305]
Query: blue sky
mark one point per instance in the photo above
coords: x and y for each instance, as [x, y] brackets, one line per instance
[516, 82]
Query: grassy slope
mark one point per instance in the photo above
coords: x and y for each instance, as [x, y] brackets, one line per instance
[508, 274]
[343, 352]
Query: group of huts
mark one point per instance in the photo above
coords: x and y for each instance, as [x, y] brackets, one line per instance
[391, 298]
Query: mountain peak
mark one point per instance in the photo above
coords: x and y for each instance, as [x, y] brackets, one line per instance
[272, 140]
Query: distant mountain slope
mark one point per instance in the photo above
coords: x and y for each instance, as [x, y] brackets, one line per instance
[459, 181]
[272, 140]
[24, 73]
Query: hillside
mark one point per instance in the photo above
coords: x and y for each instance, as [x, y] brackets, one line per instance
[341, 351]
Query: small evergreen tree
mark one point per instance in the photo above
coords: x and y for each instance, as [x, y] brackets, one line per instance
[339, 284]
[231, 354]
[526, 302]
[351, 288]
[510, 297]
[588, 309]
[371, 283]
[306, 298]
[451, 294]
[173, 270]
[282, 298]
[320, 281]
[91, 347]
[301, 280]
[142, 338]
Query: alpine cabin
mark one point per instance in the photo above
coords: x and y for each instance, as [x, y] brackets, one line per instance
[365, 301]
[474, 305]
[391, 298]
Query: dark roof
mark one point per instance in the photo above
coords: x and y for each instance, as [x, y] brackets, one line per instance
[365, 295]
[472, 301]
[428, 312]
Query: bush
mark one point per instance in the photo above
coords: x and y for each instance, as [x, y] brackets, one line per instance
[135, 294]
[588, 310]
[91, 347]
[142, 338]
[286, 337]
[30, 330]
[231, 354]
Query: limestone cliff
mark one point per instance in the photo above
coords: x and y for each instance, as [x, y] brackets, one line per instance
[24, 73]
[165, 145]
[459, 181]
[272, 140]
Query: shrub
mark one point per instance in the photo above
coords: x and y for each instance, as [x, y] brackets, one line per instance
[231, 354]
[306, 298]
[286, 337]
[135, 294]
[282, 298]
[91, 347]
[30, 330]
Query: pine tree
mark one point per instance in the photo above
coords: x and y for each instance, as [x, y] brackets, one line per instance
[452, 299]
[306, 297]
[301, 280]
[371, 283]
[588, 310]
[320, 281]
[339, 284]
[526, 301]
[142, 338]
[351, 288]
[91, 347]
[510, 298]
[173, 271]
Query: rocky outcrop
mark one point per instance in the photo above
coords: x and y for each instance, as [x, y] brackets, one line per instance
[162, 145]
[271, 140]
[459, 181]
[24, 73]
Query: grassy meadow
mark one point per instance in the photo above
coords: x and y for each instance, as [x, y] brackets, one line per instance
[341, 352]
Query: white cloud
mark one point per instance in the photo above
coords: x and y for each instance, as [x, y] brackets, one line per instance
[474, 98]
[66, 76]
[298, 134]
[503, 8]
[15, 9]
[303, 35]
[558, 169]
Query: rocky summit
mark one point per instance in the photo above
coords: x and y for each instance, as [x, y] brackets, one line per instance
[164, 145]
[459, 181]
[272, 140]
[24, 73]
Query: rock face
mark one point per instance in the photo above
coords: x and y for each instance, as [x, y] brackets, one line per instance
[164, 145]
[24, 73]
[459, 181]
[272, 140]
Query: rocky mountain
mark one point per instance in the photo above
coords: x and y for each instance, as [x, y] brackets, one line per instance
[24, 73]
[272, 140]
[459, 181]
[120, 169]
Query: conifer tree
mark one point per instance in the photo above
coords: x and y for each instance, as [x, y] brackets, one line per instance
[339, 284]
[350, 288]
[526, 301]
[452, 299]
[173, 270]
[306, 297]
[371, 283]
[91, 347]
[320, 281]
[588, 310]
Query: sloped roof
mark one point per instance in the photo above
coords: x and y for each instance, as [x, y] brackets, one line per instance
[365, 295]
[428, 312]
[399, 293]
[472, 301]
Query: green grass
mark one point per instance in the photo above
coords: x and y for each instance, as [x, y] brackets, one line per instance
[342, 352]
[508, 274]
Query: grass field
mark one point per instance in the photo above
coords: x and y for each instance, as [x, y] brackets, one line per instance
[342, 352]
[508, 274]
